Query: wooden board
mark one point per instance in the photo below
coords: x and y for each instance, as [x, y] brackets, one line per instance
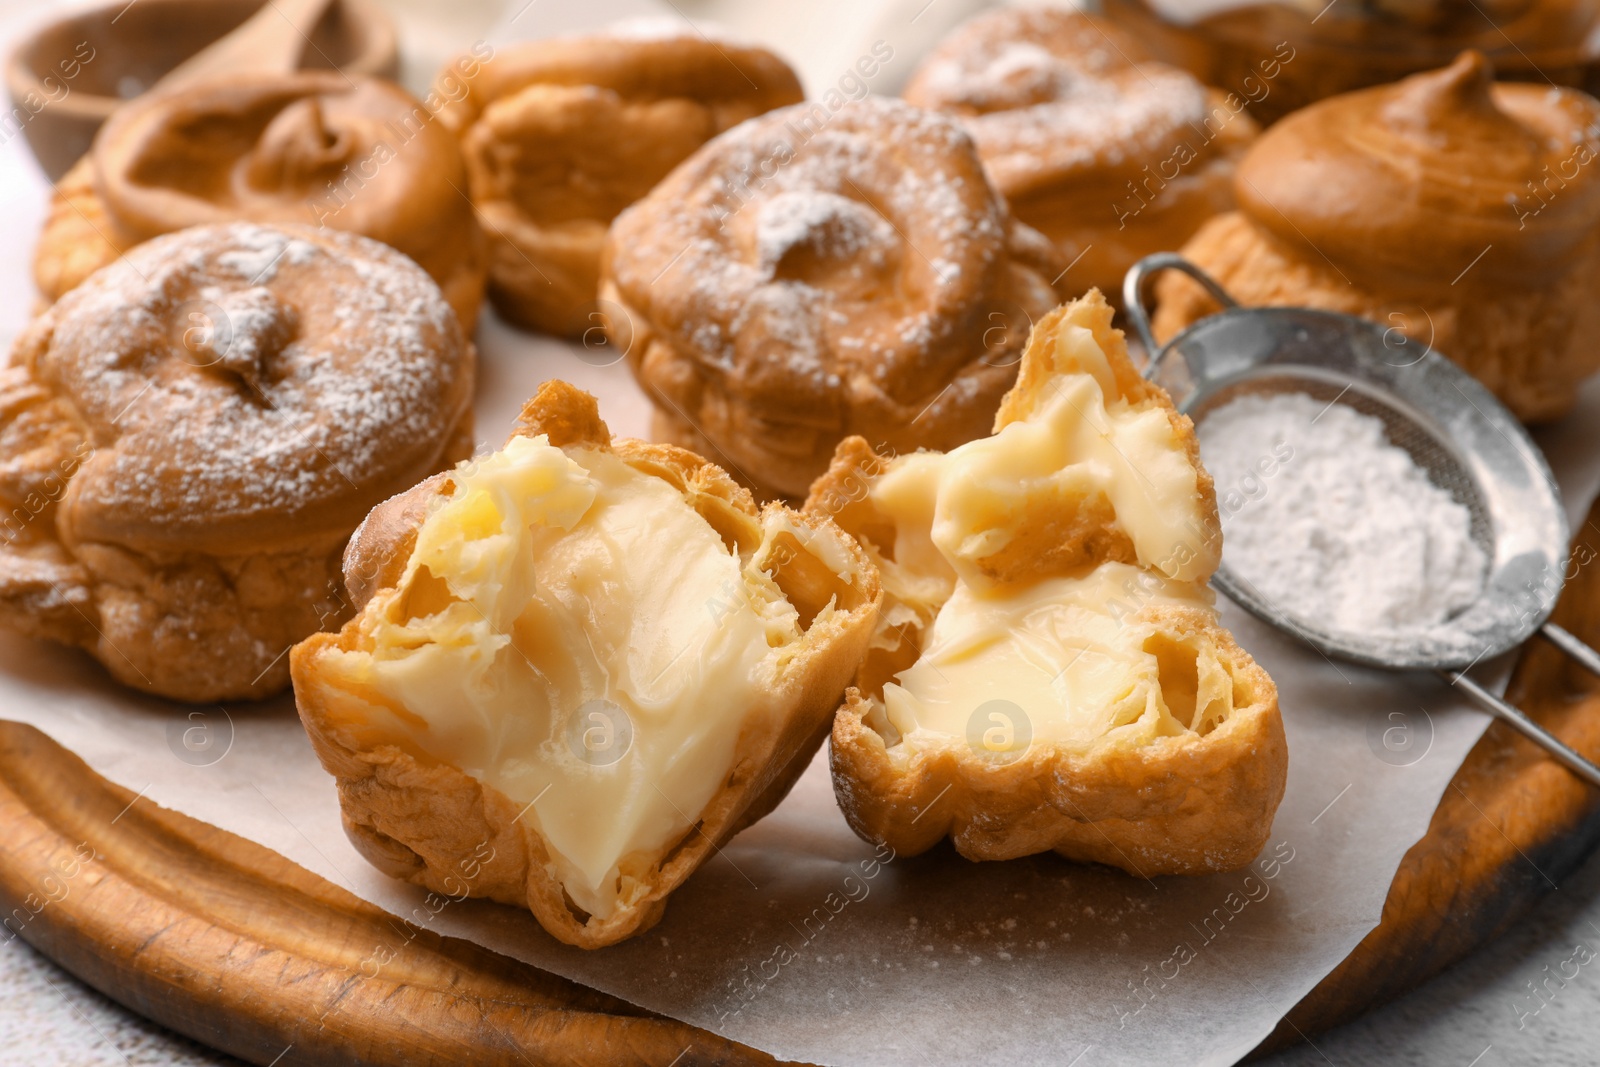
[229, 943]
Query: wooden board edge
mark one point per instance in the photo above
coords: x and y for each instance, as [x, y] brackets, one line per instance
[230, 944]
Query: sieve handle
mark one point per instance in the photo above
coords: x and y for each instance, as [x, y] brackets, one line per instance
[1519, 721]
[1136, 281]
[1566, 641]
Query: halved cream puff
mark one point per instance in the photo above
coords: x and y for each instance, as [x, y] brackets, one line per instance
[1048, 671]
[579, 667]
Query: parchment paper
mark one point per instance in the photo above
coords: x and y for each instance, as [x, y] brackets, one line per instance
[799, 939]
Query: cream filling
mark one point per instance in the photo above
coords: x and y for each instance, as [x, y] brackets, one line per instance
[1082, 442]
[1068, 660]
[571, 632]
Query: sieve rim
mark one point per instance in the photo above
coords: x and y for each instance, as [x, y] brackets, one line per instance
[1520, 499]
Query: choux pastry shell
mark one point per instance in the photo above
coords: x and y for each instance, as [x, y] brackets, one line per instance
[188, 437]
[580, 666]
[1109, 154]
[807, 276]
[1462, 213]
[1048, 671]
[562, 134]
[314, 148]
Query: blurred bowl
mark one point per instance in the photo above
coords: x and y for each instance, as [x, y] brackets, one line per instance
[66, 77]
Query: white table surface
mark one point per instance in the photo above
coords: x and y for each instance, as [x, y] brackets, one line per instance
[1479, 1014]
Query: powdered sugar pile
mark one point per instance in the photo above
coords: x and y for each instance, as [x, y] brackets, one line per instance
[831, 224]
[1327, 519]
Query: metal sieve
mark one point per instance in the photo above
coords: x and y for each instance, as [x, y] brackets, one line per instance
[1451, 426]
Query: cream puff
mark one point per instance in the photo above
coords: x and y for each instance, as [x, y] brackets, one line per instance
[314, 148]
[1109, 154]
[811, 275]
[562, 134]
[1462, 213]
[1048, 672]
[580, 665]
[189, 436]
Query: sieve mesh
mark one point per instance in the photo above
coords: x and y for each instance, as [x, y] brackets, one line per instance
[1408, 431]
[1453, 428]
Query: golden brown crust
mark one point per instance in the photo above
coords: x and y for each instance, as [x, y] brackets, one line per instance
[568, 416]
[79, 235]
[418, 820]
[1189, 804]
[187, 439]
[1198, 801]
[309, 148]
[376, 554]
[1428, 207]
[562, 134]
[1415, 179]
[867, 280]
[1109, 154]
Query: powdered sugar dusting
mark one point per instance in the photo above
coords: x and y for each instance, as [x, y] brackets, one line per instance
[830, 242]
[1014, 57]
[1048, 93]
[1136, 118]
[256, 255]
[834, 225]
[242, 370]
[1013, 74]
